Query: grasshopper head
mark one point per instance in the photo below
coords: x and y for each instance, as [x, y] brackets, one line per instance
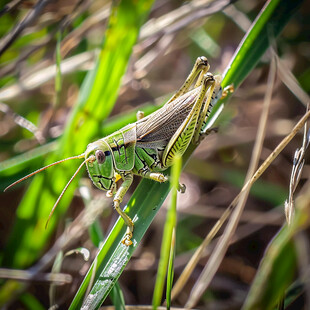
[100, 169]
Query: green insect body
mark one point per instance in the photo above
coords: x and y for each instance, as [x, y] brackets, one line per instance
[148, 146]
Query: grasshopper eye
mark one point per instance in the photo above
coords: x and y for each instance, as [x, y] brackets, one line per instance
[100, 157]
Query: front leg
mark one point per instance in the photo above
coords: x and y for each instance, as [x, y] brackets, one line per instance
[128, 178]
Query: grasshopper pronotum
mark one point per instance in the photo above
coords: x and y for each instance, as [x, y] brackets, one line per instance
[148, 146]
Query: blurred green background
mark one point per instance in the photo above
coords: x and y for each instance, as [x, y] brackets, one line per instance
[77, 71]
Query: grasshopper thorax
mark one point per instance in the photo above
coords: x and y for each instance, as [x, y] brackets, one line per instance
[101, 168]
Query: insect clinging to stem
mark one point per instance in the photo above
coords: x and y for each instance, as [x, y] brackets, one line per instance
[148, 146]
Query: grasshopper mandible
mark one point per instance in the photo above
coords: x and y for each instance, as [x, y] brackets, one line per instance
[148, 146]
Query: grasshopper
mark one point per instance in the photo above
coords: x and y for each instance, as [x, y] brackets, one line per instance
[148, 146]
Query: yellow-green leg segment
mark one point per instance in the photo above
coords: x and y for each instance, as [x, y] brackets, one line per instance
[201, 67]
[188, 130]
[127, 181]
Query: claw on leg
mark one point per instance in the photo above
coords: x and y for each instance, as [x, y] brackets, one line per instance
[127, 240]
[227, 90]
[109, 193]
[182, 188]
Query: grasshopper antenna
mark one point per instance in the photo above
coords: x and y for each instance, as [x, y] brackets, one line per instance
[91, 158]
[43, 168]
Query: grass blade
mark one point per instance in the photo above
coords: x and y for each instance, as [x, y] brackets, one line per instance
[277, 269]
[170, 273]
[169, 228]
[117, 297]
[96, 100]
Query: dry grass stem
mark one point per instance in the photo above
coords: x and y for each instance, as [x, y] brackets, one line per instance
[222, 246]
[298, 164]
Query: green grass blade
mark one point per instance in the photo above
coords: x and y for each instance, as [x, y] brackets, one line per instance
[170, 273]
[95, 233]
[266, 27]
[117, 297]
[149, 196]
[279, 264]
[30, 302]
[96, 100]
[55, 269]
[170, 226]
[114, 256]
